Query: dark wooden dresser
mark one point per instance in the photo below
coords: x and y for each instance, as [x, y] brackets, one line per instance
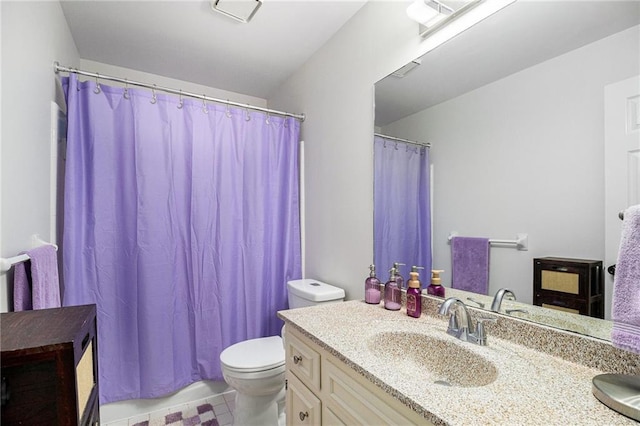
[572, 285]
[50, 367]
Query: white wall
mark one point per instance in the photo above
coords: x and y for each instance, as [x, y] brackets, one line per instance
[34, 35]
[145, 77]
[525, 155]
[335, 91]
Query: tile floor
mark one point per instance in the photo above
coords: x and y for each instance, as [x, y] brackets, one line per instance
[214, 411]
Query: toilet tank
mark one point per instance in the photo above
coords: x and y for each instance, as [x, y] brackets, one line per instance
[309, 292]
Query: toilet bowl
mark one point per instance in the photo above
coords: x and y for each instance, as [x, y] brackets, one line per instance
[255, 368]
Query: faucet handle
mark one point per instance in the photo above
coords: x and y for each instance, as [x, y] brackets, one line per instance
[453, 323]
[471, 299]
[482, 320]
[481, 335]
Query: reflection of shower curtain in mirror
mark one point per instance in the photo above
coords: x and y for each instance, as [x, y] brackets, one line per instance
[402, 214]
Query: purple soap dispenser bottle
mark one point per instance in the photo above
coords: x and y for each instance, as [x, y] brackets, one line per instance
[372, 287]
[435, 288]
[399, 278]
[414, 298]
[392, 293]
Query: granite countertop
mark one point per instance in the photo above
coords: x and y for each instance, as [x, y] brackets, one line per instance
[501, 383]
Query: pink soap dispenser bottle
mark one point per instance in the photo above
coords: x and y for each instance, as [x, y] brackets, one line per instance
[399, 278]
[435, 288]
[414, 298]
[392, 293]
[372, 287]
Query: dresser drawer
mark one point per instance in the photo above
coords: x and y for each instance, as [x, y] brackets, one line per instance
[554, 301]
[302, 360]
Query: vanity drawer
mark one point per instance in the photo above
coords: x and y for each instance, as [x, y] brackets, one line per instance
[302, 360]
[303, 407]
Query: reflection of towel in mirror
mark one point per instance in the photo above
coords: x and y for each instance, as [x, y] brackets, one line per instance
[41, 288]
[626, 287]
[470, 264]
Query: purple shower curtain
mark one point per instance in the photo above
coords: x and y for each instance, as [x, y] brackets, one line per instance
[181, 225]
[402, 208]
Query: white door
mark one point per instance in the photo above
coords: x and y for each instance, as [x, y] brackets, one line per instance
[621, 165]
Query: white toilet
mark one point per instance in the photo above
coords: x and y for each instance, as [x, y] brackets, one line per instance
[255, 368]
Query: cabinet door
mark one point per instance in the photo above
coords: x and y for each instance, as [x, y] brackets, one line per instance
[32, 390]
[353, 401]
[303, 407]
[331, 418]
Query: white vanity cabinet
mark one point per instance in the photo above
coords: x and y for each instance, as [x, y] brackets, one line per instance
[322, 390]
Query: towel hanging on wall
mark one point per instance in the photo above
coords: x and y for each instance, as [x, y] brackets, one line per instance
[35, 283]
[626, 286]
[470, 264]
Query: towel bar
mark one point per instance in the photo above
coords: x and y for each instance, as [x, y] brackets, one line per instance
[7, 262]
[521, 242]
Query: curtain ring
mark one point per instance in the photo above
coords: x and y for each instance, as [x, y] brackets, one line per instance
[227, 110]
[247, 116]
[396, 146]
[204, 105]
[406, 148]
[97, 89]
[267, 120]
[384, 145]
[181, 103]
[154, 98]
[126, 89]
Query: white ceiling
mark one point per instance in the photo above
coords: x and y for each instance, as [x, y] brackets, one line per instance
[523, 34]
[186, 40]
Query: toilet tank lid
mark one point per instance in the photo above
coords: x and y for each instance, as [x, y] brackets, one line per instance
[314, 290]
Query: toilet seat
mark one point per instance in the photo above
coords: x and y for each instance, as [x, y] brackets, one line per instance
[254, 355]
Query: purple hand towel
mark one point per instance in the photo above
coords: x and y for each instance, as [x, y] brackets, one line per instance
[470, 264]
[626, 285]
[43, 289]
[21, 289]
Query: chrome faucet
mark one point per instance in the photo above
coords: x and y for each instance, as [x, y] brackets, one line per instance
[500, 295]
[460, 323]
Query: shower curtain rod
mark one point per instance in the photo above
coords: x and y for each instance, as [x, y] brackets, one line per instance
[393, 138]
[59, 68]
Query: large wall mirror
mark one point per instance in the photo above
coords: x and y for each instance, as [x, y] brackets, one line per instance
[516, 112]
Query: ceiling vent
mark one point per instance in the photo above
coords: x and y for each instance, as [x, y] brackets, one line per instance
[238, 10]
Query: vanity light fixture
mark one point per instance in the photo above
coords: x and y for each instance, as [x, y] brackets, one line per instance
[239, 10]
[433, 15]
[428, 12]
